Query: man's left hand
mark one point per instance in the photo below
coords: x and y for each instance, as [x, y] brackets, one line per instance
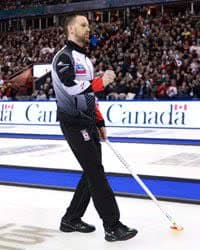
[102, 133]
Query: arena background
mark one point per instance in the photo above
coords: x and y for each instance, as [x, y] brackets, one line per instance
[151, 110]
[154, 100]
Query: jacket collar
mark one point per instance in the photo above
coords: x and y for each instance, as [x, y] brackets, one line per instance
[75, 46]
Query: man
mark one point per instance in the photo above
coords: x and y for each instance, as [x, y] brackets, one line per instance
[82, 124]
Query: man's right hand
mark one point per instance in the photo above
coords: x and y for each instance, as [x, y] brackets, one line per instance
[108, 77]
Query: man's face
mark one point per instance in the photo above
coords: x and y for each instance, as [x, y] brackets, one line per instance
[80, 29]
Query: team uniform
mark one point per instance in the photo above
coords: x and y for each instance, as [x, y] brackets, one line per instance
[79, 116]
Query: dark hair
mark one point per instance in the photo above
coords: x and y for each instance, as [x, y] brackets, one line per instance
[68, 20]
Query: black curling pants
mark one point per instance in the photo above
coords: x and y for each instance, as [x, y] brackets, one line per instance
[87, 149]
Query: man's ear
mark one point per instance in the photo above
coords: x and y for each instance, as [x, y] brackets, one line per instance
[70, 29]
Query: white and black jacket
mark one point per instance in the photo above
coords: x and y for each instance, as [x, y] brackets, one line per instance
[74, 85]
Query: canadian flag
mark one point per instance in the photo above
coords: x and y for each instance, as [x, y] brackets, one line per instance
[9, 106]
[180, 107]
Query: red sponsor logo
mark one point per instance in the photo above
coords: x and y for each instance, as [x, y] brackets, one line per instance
[80, 70]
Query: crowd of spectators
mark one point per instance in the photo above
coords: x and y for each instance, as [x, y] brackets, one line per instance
[156, 58]
[153, 57]
[11, 4]
[19, 50]
[7, 90]
[45, 91]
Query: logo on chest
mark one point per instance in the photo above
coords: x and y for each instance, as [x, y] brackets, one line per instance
[80, 69]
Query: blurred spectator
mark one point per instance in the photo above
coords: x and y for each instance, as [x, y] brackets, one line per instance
[184, 91]
[8, 92]
[196, 89]
[172, 90]
[1, 80]
[41, 96]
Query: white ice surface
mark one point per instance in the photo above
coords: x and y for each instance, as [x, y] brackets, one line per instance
[42, 208]
[193, 134]
[148, 159]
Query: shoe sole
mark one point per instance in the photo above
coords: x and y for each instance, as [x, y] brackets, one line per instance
[69, 229]
[122, 239]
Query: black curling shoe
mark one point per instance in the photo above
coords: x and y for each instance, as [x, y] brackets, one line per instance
[76, 226]
[119, 233]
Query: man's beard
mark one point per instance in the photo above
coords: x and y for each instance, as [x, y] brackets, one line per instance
[84, 39]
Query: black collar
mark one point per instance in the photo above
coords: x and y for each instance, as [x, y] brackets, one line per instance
[75, 46]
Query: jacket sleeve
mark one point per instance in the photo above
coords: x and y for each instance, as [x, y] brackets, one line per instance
[99, 118]
[97, 85]
[65, 70]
